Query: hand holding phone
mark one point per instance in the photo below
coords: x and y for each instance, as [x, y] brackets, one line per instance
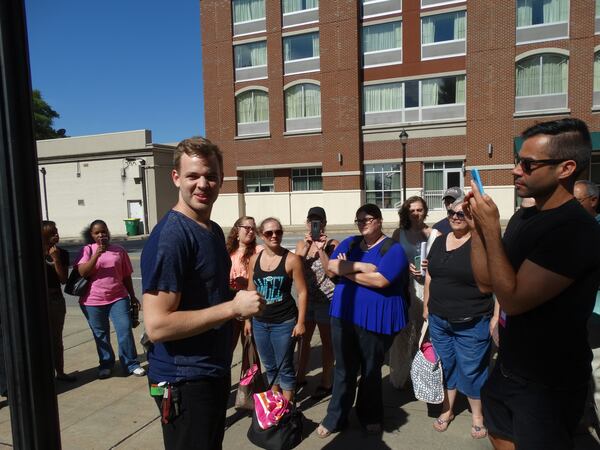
[477, 179]
[315, 230]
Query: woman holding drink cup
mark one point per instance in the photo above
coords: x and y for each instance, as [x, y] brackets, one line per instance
[110, 295]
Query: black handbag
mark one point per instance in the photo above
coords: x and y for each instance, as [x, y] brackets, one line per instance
[287, 434]
[76, 284]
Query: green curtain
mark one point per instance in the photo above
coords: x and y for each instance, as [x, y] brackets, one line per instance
[427, 30]
[461, 89]
[303, 100]
[460, 25]
[554, 74]
[433, 180]
[524, 13]
[252, 106]
[245, 10]
[382, 97]
[528, 77]
[429, 92]
[555, 10]
[384, 36]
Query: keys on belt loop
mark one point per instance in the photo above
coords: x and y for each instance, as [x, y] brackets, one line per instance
[166, 404]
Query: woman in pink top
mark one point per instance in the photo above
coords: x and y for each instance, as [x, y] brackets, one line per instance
[241, 245]
[110, 295]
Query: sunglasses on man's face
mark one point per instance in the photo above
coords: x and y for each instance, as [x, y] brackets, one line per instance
[459, 214]
[529, 165]
[269, 233]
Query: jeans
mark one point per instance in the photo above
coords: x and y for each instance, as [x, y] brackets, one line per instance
[273, 342]
[201, 422]
[118, 312]
[56, 311]
[356, 349]
[464, 350]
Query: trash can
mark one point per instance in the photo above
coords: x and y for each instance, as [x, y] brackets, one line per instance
[132, 226]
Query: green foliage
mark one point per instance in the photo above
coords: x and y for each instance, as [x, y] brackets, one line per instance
[43, 119]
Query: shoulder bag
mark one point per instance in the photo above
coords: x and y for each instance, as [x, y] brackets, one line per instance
[76, 284]
[251, 379]
[426, 372]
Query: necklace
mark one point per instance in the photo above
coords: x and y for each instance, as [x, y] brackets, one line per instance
[271, 262]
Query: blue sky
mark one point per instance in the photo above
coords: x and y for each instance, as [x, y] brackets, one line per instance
[118, 65]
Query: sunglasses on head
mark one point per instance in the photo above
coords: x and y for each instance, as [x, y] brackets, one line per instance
[529, 165]
[459, 214]
[270, 233]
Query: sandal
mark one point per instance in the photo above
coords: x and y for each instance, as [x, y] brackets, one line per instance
[441, 425]
[322, 432]
[479, 432]
[321, 392]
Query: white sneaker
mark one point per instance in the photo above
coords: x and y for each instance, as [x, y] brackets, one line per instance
[138, 372]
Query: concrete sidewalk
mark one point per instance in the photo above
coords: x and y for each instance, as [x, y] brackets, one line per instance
[118, 413]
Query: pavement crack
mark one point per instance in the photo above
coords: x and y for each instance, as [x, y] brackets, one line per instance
[134, 432]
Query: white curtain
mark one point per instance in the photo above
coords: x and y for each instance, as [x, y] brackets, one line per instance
[315, 44]
[524, 12]
[461, 91]
[555, 10]
[597, 8]
[250, 55]
[429, 92]
[245, 10]
[460, 26]
[299, 5]
[382, 37]
[597, 72]
[383, 97]
[554, 74]
[528, 76]
[252, 106]
[427, 30]
[303, 100]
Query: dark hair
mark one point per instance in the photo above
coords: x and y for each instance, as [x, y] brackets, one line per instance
[197, 146]
[233, 243]
[570, 140]
[261, 227]
[404, 211]
[87, 232]
[370, 208]
[46, 226]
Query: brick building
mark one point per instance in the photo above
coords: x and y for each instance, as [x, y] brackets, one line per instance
[307, 98]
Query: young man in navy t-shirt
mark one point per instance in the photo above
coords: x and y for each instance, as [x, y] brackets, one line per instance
[188, 306]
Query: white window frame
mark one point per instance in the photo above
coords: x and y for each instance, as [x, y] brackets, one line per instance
[383, 173]
[435, 196]
[449, 41]
[307, 174]
[260, 176]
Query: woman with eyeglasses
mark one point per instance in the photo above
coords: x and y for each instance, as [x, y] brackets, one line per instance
[367, 310]
[315, 256]
[460, 318]
[272, 272]
[412, 232]
[241, 246]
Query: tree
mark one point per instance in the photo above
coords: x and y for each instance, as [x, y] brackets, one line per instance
[43, 118]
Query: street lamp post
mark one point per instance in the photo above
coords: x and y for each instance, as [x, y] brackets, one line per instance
[43, 171]
[403, 140]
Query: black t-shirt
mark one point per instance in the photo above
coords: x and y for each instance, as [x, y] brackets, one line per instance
[548, 344]
[453, 292]
[51, 276]
[275, 287]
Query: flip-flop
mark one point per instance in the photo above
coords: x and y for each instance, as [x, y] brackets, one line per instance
[321, 392]
[322, 432]
[479, 432]
[441, 425]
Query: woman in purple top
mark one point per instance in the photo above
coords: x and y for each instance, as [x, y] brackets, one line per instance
[367, 311]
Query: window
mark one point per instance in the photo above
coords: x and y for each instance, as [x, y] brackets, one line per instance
[382, 43]
[248, 10]
[597, 29]
[248, 16]
[250, 61]
[303, 107]
[439, 176]
[373, 8]
[541, 83]
[539, 12]
[415, 100]
[309, 179]
[541, 20]
[383, 184]
[301, 46]
[252, 109]
[443, 35]
[597, 79]
[259, 181]
[292, 6]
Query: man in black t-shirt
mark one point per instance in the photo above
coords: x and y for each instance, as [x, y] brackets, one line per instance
[544, 273]
[450, 196]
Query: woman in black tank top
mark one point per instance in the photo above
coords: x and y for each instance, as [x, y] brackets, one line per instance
[271, 273]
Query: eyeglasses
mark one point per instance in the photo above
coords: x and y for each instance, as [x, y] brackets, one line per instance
[248, 228]
[582, 199]
[269, 233]
[529, 165]
[459, 214]
[365, 221]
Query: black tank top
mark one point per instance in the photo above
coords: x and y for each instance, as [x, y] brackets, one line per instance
[275, 286]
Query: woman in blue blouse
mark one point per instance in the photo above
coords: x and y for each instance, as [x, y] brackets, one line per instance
[367, 310]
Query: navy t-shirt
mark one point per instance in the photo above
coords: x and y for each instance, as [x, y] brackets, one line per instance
[182, 256]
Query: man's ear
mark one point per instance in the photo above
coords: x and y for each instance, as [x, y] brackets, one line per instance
[175, 178]
[566, 169]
